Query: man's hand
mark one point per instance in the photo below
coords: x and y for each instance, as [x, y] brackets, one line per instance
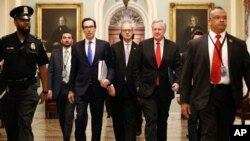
[175, 87]
[42, 97]
[185, 110]
[71, 97]
[104, 83]
[50, 95]
[111, 90]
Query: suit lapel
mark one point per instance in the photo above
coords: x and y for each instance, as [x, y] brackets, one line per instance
[152, 50]
[84, 51]
[133, 48]
[97, 50]
[121, 49]
[205, 50]
[60, 57]
[165, 52]
[229, 46]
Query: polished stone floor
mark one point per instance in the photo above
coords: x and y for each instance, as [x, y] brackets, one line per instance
[48, 130]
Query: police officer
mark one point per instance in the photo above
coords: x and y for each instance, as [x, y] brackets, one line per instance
[22, 54]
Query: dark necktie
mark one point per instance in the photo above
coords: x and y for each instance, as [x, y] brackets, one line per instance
[90, 54]
[158, 59]
[216, 62]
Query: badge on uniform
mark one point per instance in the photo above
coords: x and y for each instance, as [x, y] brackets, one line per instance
[223, 71]
[33, 46]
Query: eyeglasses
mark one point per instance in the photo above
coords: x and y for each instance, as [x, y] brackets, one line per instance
[90, 27]
[219, 18]
[127, 30]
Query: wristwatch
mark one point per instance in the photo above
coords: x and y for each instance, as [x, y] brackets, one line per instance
[45, 92]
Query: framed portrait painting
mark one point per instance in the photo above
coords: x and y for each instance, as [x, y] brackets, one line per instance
[187, 18]
[55, 19]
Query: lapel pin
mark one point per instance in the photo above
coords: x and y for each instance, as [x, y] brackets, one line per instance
[230, 40]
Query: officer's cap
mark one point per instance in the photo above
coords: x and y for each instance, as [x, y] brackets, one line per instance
[21, 12]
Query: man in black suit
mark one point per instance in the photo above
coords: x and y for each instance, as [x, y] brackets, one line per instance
[123, 104]
[85, 89]
[215, 95]
[58, 76]
[156, 82]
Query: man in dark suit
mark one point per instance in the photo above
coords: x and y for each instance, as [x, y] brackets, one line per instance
[85, 89]
[215, 95]
[156, 82]
[123, 104]
[58, 76]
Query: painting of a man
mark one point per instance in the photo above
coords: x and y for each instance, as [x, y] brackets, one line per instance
[56, 35]
[54, 23]
[187, 21]
[193, 26]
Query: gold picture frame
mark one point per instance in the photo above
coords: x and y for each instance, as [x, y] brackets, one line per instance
[180, 19]
[49, 17]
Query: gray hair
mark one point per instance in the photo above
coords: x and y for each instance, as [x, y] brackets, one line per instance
[159, 21]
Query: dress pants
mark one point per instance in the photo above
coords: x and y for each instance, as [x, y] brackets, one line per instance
[19, 108]
[123, 108]
[156, 112]
[163, 106]
[218, 115]
[96, 109]
[193, 134]
[66, 112]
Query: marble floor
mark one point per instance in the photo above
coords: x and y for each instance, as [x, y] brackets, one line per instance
[48, 130]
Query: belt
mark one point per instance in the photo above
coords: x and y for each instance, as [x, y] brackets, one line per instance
[22, 83]
[220, 86]
[32, 79]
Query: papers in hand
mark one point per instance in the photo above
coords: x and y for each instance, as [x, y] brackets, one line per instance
[102, 70]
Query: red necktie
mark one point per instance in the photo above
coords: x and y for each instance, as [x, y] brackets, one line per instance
[216, 62]
[158, 59]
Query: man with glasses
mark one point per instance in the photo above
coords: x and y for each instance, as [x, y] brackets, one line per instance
[123, 104]
[212, 78]
[85, 89]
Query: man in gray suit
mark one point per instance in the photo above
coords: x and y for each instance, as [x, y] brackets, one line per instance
[212, 77]
[85, 89]
[58, 75]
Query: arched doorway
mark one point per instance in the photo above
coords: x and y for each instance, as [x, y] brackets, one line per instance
[126, 15]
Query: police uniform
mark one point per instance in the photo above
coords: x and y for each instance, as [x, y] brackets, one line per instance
[19, 69]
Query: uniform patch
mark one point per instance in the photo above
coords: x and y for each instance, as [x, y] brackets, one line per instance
[33, 46]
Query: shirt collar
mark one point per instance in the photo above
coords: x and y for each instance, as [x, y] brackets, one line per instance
[68, 49]
[213, 34]
[125, 43]
[93, 41]
[161, 42]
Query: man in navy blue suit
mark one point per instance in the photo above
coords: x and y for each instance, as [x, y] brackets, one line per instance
[85, 89]
[58, 75]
